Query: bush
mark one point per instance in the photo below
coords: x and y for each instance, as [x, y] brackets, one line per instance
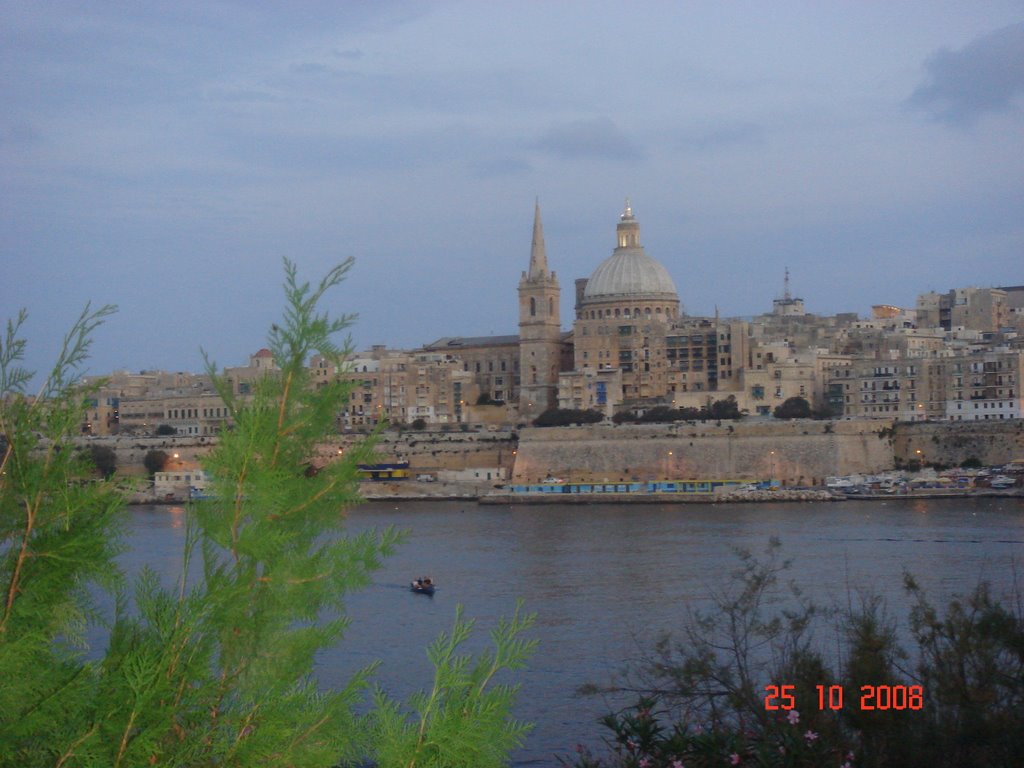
[419, 424]
[703, 697]
[562, 417]
[719, 410]
[166, 429]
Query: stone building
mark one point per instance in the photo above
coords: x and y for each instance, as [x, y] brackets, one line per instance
[987, 310]
[978, 385]
[201, 414]
[493, 362]
[402, 387]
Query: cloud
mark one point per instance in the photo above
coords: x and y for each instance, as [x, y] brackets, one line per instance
[704, 138]
[984, 77]
[351, 54]
[597, 137]
[498, 167]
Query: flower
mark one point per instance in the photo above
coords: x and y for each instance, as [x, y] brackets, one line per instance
[793, 717]
[677, 764]
[810, 736]
[734, 759]
[645, 762]
[846, 765]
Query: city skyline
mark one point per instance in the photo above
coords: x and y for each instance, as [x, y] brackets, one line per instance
[167, 159]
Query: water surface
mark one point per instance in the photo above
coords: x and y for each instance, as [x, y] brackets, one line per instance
[604, 579]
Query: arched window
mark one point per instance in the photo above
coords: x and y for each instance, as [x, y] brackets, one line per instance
[533, 307]
[551, 307]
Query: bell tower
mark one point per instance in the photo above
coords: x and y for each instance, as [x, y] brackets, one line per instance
[540, 330]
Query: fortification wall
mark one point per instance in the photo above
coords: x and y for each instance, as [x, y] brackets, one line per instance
[796, 452]
[434, 450]
[950, 443]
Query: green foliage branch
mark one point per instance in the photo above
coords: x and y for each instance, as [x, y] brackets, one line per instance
[465, 720]
[216, 669]
[58, 534]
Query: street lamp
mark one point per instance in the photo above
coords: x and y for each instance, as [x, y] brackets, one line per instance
[771, 467]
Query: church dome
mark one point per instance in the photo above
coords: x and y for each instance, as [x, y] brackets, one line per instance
[629, 273]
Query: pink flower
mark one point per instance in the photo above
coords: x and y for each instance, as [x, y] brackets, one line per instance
[793, 717]
[645, 762]
[846, 765]
[734, 759]
[810, 736]
[849, 756]
[677, 764]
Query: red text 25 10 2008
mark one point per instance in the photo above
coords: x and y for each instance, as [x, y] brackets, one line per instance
[872, 697]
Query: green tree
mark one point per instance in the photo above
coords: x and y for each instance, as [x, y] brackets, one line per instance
[154, 461]
[104, 459]
[216, 672]
[166, 429]
[793, 408]
[725, 409]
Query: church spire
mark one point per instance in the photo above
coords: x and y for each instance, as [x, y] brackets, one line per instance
[538, 253]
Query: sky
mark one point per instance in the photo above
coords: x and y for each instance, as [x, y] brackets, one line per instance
[166, 158]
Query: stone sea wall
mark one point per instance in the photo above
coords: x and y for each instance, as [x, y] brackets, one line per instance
[796, 452]
[951, 443]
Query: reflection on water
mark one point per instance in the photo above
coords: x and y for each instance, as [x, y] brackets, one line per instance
[604, 579]
[177, 516]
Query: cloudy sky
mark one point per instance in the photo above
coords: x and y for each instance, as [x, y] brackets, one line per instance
[165, 157]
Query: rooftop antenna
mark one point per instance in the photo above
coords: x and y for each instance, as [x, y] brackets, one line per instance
[785, 294]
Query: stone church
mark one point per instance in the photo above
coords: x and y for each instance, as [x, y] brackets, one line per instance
[630, 343]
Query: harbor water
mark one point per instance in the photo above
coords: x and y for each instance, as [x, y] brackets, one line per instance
[606, 579]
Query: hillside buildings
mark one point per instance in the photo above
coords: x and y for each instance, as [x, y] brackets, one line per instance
[631, 346]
